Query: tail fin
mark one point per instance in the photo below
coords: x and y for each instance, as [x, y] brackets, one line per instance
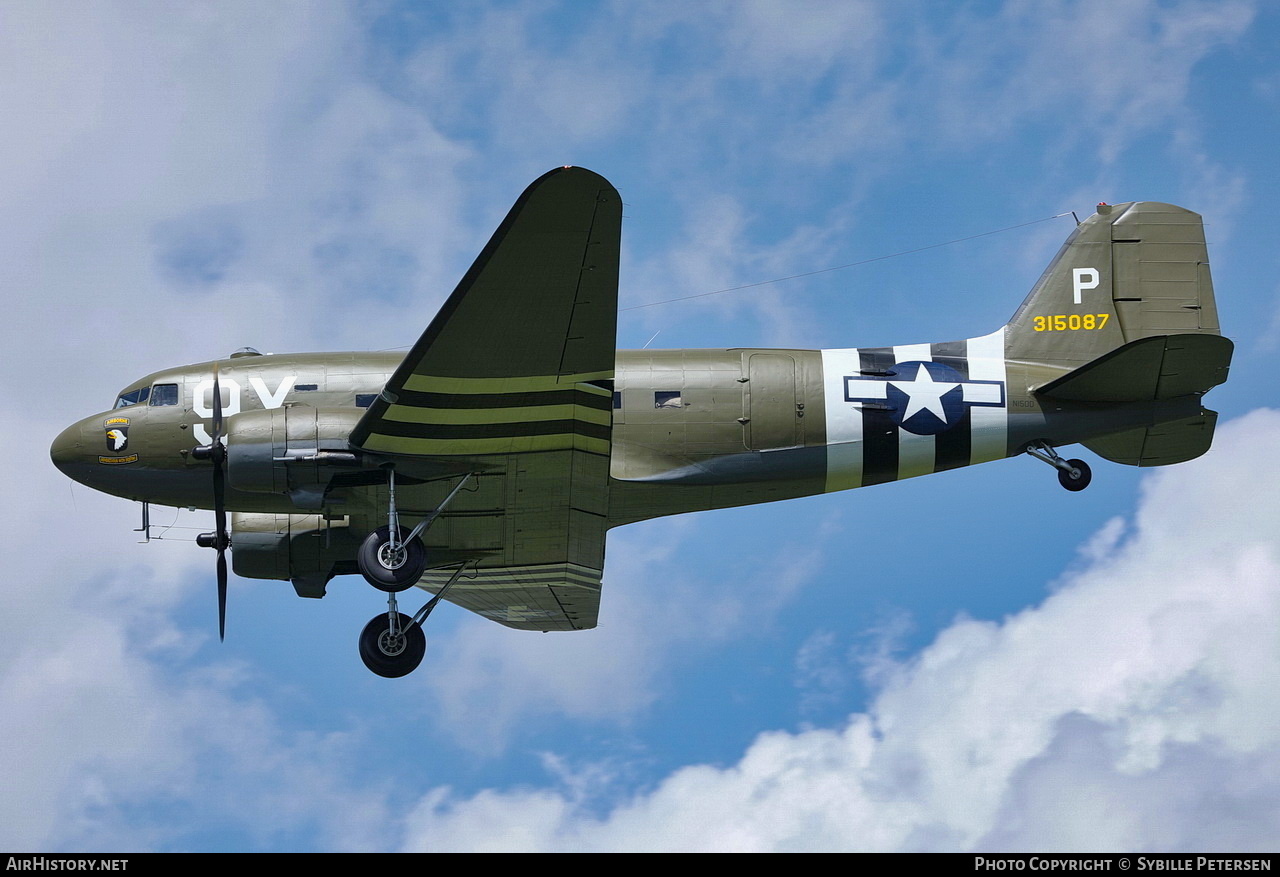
[1128, 272]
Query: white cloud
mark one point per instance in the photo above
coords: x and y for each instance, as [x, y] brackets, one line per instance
[1101, 73]
[115, 736]
[488, 681]
[1132, 710]
[120, 122]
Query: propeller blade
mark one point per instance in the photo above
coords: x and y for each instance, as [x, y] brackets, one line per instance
[222, 593]
[222, 539]
[217, 454]
[217, 407]
[219, 500]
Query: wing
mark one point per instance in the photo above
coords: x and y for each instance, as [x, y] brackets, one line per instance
[505, 360]
[557, 596]
[513, 380]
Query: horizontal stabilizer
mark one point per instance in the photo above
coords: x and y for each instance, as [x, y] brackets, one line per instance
[1159, 367]
[1173, 442]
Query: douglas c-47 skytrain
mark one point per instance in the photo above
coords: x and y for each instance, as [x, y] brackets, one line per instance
[488, 464]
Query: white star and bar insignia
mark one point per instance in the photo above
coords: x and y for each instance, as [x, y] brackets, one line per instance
[924, 398]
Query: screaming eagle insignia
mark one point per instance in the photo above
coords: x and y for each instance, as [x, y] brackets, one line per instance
[117, 434]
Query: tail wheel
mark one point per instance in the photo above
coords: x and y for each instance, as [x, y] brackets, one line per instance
[391, 569]
[1081, 477]
[392, 655]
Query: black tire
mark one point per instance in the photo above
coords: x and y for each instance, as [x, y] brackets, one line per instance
[388, 659]
[1080, 483]
[384, 578]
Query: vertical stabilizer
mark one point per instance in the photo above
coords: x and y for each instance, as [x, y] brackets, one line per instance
[1128, 272]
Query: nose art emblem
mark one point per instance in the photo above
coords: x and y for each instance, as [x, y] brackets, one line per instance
[117, 434]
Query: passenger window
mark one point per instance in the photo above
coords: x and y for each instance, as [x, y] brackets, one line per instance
[364, 400]
[667, 399]
[164, 394]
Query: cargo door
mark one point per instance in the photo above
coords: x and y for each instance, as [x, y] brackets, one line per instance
[771, 402]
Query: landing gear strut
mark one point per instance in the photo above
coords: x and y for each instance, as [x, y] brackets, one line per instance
[392, 644]
[1072, 474]
[392, 558]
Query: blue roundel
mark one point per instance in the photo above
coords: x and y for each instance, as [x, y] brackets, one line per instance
[925, 398]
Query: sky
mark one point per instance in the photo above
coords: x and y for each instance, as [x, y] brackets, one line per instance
[977, 660]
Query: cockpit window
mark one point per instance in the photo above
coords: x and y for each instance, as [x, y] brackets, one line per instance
[137, 396]
[164, 394]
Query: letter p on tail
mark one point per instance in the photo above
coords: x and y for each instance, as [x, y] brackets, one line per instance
[1082, 279]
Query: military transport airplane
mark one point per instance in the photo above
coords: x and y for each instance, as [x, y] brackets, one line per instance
[488, 464]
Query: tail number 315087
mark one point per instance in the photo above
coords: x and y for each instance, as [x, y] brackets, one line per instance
[1070, 322]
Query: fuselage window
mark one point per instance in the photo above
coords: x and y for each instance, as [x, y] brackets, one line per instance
[364, 400]
[302, 388]
[668, 399]
[164, 394]
[133, 398]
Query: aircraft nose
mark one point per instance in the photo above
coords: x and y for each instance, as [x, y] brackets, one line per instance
[67, 450]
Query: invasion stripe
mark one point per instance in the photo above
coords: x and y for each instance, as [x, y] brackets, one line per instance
[407, 414]
[953, 447]
[593, 398]
[492, 430]
[879, 433]
[915, 452]
[844, 420]
[480, 447]
[501, 580]
[534, 383]
[990, 424]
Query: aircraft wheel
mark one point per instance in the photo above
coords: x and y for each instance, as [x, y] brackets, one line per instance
[1081, 481]
[387, 570]
[390, 656]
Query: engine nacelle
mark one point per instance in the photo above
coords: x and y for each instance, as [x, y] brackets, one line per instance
[306, 550]
[295, 450]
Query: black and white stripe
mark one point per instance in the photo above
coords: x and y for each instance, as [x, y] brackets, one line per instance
[865, 444]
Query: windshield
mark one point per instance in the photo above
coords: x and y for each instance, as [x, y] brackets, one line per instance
[133, 398]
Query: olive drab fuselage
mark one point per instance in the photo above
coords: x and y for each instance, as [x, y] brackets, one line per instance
[692, 429]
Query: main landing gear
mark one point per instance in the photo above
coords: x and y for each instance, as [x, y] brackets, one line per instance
[392, 644]
[392, 559]
[1072, 474]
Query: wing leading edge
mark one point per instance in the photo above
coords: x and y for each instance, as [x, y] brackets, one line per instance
[520, 357]
[515, 374]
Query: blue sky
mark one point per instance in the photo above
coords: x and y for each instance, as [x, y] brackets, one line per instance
[975, 660]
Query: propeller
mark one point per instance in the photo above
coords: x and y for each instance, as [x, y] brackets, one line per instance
[216, 452]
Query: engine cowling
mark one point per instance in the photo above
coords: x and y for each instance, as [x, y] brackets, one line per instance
[306, 550]
[295, 450]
